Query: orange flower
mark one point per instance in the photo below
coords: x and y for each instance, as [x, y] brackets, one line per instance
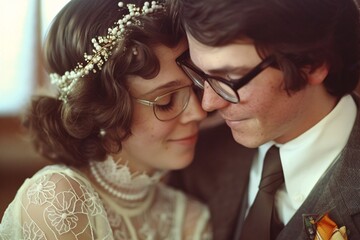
[327, 229]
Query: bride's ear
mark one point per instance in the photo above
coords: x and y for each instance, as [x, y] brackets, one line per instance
[317, 76]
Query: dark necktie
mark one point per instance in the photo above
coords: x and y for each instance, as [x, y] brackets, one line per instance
[262, 222]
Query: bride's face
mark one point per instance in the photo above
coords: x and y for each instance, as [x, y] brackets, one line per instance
[156, 144]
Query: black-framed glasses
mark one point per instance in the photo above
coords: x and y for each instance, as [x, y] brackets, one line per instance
[169, 105]
[224, 88]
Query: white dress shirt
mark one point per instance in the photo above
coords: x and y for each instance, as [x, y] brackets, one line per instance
[306, 158]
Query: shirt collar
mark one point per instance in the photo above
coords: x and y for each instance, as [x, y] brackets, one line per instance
[305, 158]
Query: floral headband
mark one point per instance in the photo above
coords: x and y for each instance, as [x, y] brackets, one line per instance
[103, 46]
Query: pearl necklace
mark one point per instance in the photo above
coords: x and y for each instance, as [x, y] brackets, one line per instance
[118, 180]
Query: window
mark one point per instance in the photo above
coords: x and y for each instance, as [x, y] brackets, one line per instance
[23, 25]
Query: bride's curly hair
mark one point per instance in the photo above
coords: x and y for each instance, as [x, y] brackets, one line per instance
[69, 132]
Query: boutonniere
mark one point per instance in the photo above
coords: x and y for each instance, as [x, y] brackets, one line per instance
[323, 228]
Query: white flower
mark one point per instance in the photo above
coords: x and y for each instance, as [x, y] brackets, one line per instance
[41, 191]
[113, 218]
[62, 213]
[33, 232]
[92, 204]
[146, 232]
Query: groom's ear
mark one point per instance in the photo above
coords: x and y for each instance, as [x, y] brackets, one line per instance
[317, 75]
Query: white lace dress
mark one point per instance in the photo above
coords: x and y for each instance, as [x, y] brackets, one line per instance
[59, 202]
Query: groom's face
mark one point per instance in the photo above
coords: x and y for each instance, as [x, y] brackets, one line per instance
[265, 111]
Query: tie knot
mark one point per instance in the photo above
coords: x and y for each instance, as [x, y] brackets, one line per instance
[272, 175]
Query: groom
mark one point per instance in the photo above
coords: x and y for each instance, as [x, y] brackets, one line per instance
[281, 73]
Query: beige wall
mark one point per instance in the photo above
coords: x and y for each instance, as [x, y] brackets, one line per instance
[18, 160]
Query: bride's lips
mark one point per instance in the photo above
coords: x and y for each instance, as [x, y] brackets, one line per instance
[188, 140]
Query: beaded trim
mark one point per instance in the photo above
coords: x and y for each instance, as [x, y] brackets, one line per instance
[103, 46]
[117, 179]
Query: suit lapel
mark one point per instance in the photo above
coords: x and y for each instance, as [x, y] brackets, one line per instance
[337, 191]
[319, 202]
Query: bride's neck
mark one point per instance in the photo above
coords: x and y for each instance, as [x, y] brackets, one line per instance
[116, 178]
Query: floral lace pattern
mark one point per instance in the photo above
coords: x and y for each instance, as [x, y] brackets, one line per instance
[41, 191]
[32, 231]
[61, 203]
[118, 173]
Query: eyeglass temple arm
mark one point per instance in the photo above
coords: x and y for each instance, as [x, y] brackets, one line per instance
[145, 102]
[267, 62]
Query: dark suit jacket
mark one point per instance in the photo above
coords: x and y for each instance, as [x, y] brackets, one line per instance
[219, 177]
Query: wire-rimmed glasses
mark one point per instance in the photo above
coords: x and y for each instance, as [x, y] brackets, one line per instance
[224, 88]
[169, 105]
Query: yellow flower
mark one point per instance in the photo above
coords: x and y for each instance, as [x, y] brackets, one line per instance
[339, 234]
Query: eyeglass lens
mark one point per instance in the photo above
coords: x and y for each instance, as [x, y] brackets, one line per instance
[194, 76]
[172, 104]
[223, 90]
[220, 88]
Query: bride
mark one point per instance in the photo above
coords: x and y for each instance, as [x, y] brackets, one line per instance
[125, 115]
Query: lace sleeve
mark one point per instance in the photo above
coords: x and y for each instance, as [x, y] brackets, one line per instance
[197, 221]
[61, 206]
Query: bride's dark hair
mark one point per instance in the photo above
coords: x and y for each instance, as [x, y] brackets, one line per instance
[70, 132]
